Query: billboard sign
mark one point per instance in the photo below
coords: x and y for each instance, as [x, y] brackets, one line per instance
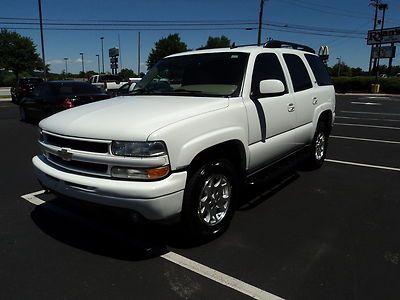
[386, 36]
[112, 52]
[386, 52]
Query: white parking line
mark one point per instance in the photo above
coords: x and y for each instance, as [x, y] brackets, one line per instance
[369, 113]
[362, 165]
[367, 119]
[219, 277]
[33, 199]
[362, 139]
[366, 103]
[369, 126]
[193, 266]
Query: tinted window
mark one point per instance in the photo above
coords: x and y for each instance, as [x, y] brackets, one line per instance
[267, 66]
[298, 72]
[319, 69]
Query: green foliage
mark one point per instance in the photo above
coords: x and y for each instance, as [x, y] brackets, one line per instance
[18, 53]
[217, 42]
[166, 46]
[363, 84]
[127, 73]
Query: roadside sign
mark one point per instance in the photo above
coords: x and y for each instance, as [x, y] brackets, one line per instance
[386, 52]
[113, 52]
[387, 36]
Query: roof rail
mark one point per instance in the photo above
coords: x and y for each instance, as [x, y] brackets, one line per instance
[282, 44]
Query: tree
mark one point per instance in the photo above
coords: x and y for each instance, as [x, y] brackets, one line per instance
[164, 47]
[127, 73]
[18, 53]
[217, 42]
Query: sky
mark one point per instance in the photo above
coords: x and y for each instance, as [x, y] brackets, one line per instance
[342, 25]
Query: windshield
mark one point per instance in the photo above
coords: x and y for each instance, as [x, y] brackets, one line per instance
[211, 74]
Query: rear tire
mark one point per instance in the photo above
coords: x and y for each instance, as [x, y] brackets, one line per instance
[209, 200]
[319, 147]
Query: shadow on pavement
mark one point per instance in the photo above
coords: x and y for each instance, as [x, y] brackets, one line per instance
[110, 232]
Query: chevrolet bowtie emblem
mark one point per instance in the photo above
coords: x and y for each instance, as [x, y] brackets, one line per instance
[64, 154]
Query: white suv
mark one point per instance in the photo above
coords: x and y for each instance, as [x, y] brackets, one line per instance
[198, 125]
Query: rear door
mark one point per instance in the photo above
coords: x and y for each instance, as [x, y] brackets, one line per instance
[304, 96]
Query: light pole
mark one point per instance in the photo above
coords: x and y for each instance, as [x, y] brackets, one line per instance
[339, 64]
[83, 64]
[66, 66]
[42, 40]
[138, 54]
[102, 52]
[98, 62]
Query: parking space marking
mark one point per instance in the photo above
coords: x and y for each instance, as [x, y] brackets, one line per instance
[369, 113]
[369, 126]
[219, 277]
[362, 165]
[33, 199]
[362, 139]
[191, 265]
[366, 103]
[367, 119]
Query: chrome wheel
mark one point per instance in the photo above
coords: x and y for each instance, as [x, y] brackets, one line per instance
[320, 146]
[215, 198]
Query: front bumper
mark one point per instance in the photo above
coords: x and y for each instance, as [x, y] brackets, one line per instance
[155, 200]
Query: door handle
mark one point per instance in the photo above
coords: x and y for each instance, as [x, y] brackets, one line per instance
[314, 100]
[291, 107]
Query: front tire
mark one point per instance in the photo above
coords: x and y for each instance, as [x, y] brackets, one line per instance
[209, 200]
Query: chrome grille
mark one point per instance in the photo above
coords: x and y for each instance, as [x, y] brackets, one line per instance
[76, 144]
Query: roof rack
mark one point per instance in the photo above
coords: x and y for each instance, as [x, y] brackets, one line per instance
[282, 44]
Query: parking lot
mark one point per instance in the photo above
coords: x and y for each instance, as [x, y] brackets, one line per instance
[333, 233]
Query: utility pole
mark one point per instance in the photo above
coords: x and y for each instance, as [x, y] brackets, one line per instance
[42, 40]
[120, 52]
[375, 4]
[339, 64]
[66, 66]
[260, 17]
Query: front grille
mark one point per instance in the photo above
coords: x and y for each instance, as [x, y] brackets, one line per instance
[82, 166]
[97, 147]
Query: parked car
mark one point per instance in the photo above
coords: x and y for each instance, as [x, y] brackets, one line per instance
[23, 88]
[54, 96]
[198, 126]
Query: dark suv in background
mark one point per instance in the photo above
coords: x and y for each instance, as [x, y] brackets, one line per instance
[23, 88]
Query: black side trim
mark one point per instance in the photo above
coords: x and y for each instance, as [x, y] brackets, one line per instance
[261, 118]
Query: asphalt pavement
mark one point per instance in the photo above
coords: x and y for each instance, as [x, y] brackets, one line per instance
[326, 234]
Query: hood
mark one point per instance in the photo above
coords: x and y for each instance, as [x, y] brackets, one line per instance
[128, 118]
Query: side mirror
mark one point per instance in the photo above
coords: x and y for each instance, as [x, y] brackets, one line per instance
[272, 87]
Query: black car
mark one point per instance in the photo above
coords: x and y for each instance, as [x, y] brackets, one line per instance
[54, 96]
[24, 87]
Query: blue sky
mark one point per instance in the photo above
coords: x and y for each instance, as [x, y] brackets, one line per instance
[327, 17]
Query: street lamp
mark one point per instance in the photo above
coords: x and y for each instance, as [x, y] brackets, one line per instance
[98, 62]
[102, 52]
[339, 64]
[83, 64]
[66, 65]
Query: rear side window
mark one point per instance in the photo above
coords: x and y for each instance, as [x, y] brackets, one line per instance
[267, 66]
[319, 69]
[298, 72]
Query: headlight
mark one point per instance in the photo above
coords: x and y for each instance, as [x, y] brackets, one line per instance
[141, 149]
